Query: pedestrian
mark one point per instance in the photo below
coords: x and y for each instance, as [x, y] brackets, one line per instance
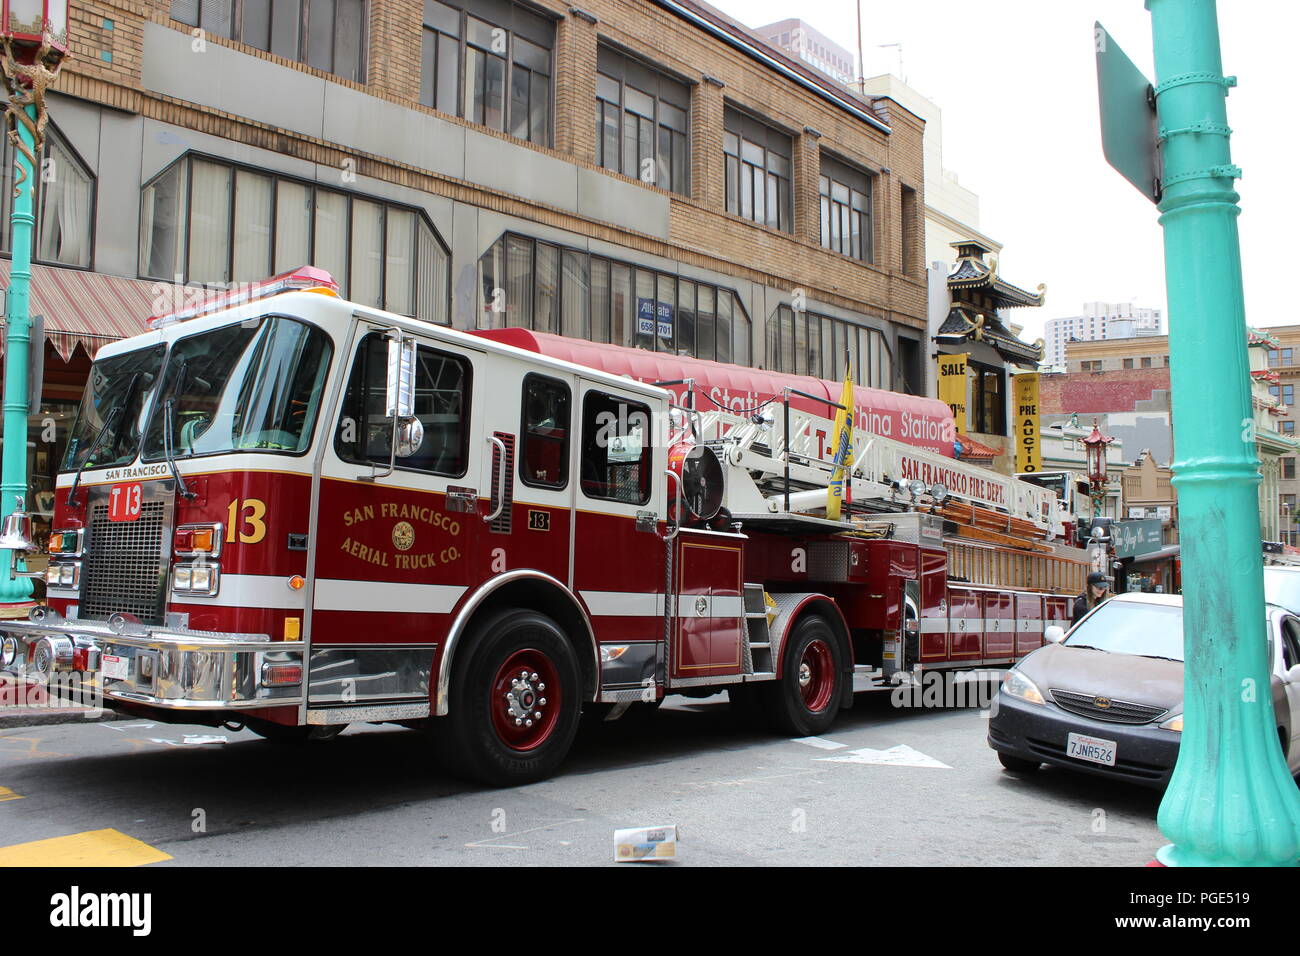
[1094, 594]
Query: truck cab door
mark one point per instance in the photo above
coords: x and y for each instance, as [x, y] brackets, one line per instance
[393, 531]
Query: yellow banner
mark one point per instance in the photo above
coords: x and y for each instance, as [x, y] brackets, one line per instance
[952, 386]
[1029, 443]
[842, 449]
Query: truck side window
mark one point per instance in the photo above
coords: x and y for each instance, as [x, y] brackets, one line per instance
[442, 383]
[545, 430]
[616, 449]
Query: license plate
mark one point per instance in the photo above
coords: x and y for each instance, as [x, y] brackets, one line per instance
[114, 668]
[1092, 749]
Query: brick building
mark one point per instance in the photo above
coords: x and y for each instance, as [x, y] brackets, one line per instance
[643, 172]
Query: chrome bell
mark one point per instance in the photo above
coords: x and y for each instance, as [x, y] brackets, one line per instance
[17, 528]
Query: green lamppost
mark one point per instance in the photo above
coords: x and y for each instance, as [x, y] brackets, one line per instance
[33, 44]
[1231, 800]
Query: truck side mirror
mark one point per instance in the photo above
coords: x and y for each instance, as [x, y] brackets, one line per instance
[399, 393]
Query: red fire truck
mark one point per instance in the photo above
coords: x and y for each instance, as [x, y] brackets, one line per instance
[290, 512]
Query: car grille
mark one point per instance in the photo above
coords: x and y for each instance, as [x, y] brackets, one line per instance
[124, 568]
[1117, 711]
[1137, 769]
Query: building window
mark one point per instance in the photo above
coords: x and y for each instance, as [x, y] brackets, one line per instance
[911, 223]
[1288, 468]
[805, 343]
[213, 222]
[63, 200]
[641, 122]
[1286, 393]
[329, 35]
[1090, 366]
[1128, 363]
[536, 285]
[1287, 427]
[987, 401]
[1146, 363]
[758, 171]
[491, 67]
[1286, 504]
[1281, 358]
[1166, 361]
[846, 209]
[442, 389]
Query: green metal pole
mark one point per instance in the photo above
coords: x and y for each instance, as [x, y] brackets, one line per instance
[1231, 801]
[16, 410]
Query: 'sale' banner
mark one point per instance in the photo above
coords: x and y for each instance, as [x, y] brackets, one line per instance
[952, 386]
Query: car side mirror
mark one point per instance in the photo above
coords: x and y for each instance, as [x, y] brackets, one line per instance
[1054, 634]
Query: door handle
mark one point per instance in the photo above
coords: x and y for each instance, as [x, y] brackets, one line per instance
[500, 490]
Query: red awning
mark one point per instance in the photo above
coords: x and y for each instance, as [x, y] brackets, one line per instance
[90, 308]
[913, 419]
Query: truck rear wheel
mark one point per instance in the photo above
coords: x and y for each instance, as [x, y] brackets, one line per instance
[515, 704]
[805, 699]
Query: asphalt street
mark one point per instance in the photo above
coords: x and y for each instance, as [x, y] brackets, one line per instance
[132, 792]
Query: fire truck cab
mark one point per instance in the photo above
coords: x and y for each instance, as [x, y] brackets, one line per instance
[291, 512]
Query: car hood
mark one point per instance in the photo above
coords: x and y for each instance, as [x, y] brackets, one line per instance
[1127, 677]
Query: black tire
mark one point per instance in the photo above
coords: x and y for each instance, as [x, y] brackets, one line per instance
[478, 739]
[790, 707]
[281, 734]
[1017, 764]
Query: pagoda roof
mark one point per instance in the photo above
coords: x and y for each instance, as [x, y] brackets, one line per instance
[964, 324]
[973, 274]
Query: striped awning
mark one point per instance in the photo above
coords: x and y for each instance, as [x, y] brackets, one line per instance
[89, 308]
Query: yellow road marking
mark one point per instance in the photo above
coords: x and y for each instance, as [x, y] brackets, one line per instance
[92, 848]
[7, 794]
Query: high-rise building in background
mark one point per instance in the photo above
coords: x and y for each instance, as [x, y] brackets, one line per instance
[812, 47]
[1099, 320]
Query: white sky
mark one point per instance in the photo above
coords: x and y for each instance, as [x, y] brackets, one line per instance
[1016, 80]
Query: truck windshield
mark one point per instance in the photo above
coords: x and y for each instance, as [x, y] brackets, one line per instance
[116, 396]
[255, 386]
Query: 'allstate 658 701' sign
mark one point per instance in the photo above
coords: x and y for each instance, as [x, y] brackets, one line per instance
[654, 318]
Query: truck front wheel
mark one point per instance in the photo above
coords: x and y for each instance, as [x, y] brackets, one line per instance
[805, 699]
[515, 704]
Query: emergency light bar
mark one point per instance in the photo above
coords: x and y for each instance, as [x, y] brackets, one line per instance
[307, 278]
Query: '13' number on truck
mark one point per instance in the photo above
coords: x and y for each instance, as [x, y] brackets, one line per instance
[253, 529]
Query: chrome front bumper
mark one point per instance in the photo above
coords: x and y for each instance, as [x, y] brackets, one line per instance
[167, 667]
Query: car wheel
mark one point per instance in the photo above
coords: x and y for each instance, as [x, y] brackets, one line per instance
[1017, 764]
[515, 705]
[805, 700]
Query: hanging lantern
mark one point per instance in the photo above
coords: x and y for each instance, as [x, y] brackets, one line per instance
[35, 28]
[1095, 446]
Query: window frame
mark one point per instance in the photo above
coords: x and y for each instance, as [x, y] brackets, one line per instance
[734, 123]
[304, 25]
[7, 201]
[467, 391]
[313, 189]
[463, 45]
[525, 434]
[627, 62]
[737, 316]
[869, 342]
[829, 165]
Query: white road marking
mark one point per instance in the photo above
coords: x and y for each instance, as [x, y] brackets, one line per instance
[122, 728]
[505, 836]
[820, 742]
[899, 756]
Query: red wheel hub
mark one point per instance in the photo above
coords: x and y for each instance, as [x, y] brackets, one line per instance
[816, 675]
[525, 699]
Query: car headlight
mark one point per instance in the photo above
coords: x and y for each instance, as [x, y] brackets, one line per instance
[1016, 684]
[1173, 723]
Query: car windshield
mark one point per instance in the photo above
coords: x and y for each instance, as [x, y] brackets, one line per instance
[1282, 587]
[251, 386]
[116, 396]
[1127, 627]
